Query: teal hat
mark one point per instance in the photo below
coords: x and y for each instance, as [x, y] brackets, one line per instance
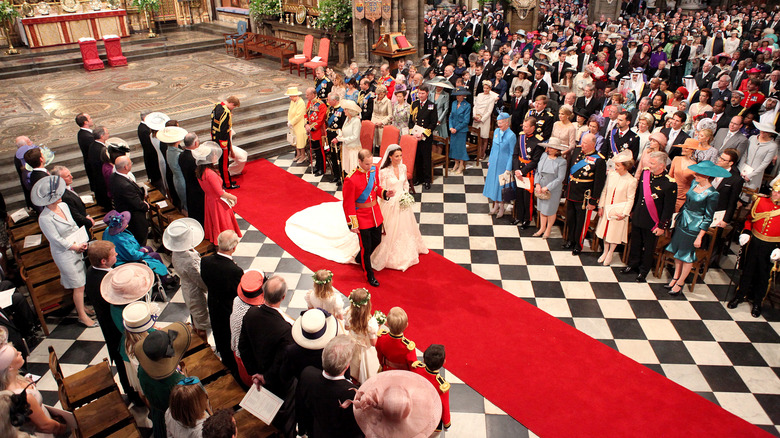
[502, 116]
[708, 168]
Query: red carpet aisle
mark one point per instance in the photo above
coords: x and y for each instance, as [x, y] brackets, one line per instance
[555, 380]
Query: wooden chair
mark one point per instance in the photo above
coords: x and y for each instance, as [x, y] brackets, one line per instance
[323, 53]
[700, 266]
[106, 416]
[471, 147]
[235, 40]
[82, 387]
[443, 158]
[47, 297]
[409, 147]
[367, 134]
[308, 43]
[390, 135]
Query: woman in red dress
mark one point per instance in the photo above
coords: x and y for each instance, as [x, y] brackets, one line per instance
[218, 203]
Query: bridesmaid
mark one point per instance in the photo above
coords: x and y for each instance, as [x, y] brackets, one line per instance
[460, 114]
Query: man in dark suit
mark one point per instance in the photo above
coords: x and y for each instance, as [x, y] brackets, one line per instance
[265, 334]
[623, 138]
[675, 134]
[492, 43]
[34, 158]
[222, 277]
[680, 55]
[97, 150]
[102, 256]
[588, 103]
[475, 82]
[195, 194]
[738, 74]
[619, 63]
[729, 190]
[539, 86]
[85, 139]
[423, 113]
[320, 393]
[730, 137]
[585, 58]
[128, 196]
[517, 108]
[23, 144]
[77, 208]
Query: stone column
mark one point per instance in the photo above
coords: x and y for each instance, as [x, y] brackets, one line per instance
[599, 7]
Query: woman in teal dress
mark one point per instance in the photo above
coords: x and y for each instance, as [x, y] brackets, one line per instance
[127, 247]
[460, 115]
[693, 221]
[500, 162]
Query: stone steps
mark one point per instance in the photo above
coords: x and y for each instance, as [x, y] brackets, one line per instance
[261, 130]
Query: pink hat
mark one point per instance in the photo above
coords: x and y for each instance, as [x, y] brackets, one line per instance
[397, 404]
[250, 289]
[127, 283]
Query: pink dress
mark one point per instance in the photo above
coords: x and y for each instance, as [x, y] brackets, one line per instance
[402, 243]
[218, 215]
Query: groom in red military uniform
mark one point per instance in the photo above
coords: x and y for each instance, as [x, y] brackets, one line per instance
[222, 133]
[361, 190]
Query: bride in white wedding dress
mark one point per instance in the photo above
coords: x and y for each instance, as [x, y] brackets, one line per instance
[322, 229]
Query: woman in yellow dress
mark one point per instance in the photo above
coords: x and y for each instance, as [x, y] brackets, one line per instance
[296, 120]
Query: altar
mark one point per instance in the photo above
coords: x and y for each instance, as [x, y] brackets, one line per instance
[54, 30]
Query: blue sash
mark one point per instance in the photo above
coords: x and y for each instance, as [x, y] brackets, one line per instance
[333, 116]
[612, 141]
[319, 85]
[522, 147]
[370, 186]
[582, 163]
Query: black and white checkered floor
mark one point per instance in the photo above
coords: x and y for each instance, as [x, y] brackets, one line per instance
[725, 355]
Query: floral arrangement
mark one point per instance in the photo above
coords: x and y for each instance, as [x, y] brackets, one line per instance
[7, 12]
[335, 15]
[406, 201]
[265, 8]
[147, 5]
[380, 317]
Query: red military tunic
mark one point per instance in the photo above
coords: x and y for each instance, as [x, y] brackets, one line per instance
[442, 387]
[315, 118]
[764, 220]
[389, 83]
[751, 99]
[367, 214]
[395, 352]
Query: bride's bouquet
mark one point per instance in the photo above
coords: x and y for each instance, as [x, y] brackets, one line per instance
[406, 201]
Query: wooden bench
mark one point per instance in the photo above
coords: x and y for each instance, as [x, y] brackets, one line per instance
[205, 365]
[47, 296]
[225, 393]
[268, 45]
[250, 426]
[84, 386]
[103, 417]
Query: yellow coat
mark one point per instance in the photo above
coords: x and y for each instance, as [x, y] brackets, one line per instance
[296, 117]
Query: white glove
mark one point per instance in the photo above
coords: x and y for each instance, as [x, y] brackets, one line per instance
[743, 239]
[775, 256]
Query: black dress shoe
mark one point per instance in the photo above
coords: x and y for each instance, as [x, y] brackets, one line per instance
[338, 184]
[524, 225]
[627, 270]
[576, 251]
[317, 173]
[373, 281]
[427, 185]
[756, 310]
[415, 182]
[641, 278]
[233, 186]
[735, 302]
[515, 222]
[568, 245]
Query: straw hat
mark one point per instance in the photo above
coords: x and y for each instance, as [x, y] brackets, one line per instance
[171, 134]
[207, 153]
[292, 91]
[314, 329]
[183, 234]
[555, 143]
[47, 190]
[350, 105]
[116, 221]
[624, 156]
[127, 283]
[708, 168]
[690, 143]
[160, 352]
[397, 404]
[250, 289]
[156, 121]
[137, 317]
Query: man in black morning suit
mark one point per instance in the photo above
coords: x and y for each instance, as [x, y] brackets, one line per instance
[589, 104]
[85, 139]
[587, 174]
[128, 196]
[97, 150]
[644, 228]
[729, 190]
[265, 334]
[423, 113]
[222, 276]
[624, 138]
[195, 194]
[517, 108]
[77, 208]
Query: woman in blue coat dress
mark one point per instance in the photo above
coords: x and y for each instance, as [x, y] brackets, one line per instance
[460, 115]
[499, 163]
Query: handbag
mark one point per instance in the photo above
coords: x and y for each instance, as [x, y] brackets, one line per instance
[509, 192]
[291, 137]
[540, 194]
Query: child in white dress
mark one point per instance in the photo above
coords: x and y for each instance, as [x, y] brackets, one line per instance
[363, 328]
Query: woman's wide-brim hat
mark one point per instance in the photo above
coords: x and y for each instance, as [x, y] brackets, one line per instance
[126, 283]
[350, 105]
[137, 317]
[207, 153]
[397, 404]
[47, 190]
[250, 289]
[292, 91]
[440, 81]
[116, 221]
[691, 143]
[183, 234]
[708, 168]
[314, 329]
[765, 127]
[660, 138]
[171, 134]
[623, 157]
[461, 91]
[160, 352]
[118, 144]
[554, 143]
[156, 121]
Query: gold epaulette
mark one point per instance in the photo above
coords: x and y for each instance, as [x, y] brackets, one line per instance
[444, 386]
[383, 331]
[409, 344]
[418, 364]
[669, 177]
[539, 137]
[352, 172]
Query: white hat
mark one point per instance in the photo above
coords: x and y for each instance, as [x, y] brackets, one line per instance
[555, 143]
[183, 234]
[156, 121]
[765, 127]
[314, 329]
[292, 91]
[207, 153]
[171, 134]
[624, 156]
[137, 317]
